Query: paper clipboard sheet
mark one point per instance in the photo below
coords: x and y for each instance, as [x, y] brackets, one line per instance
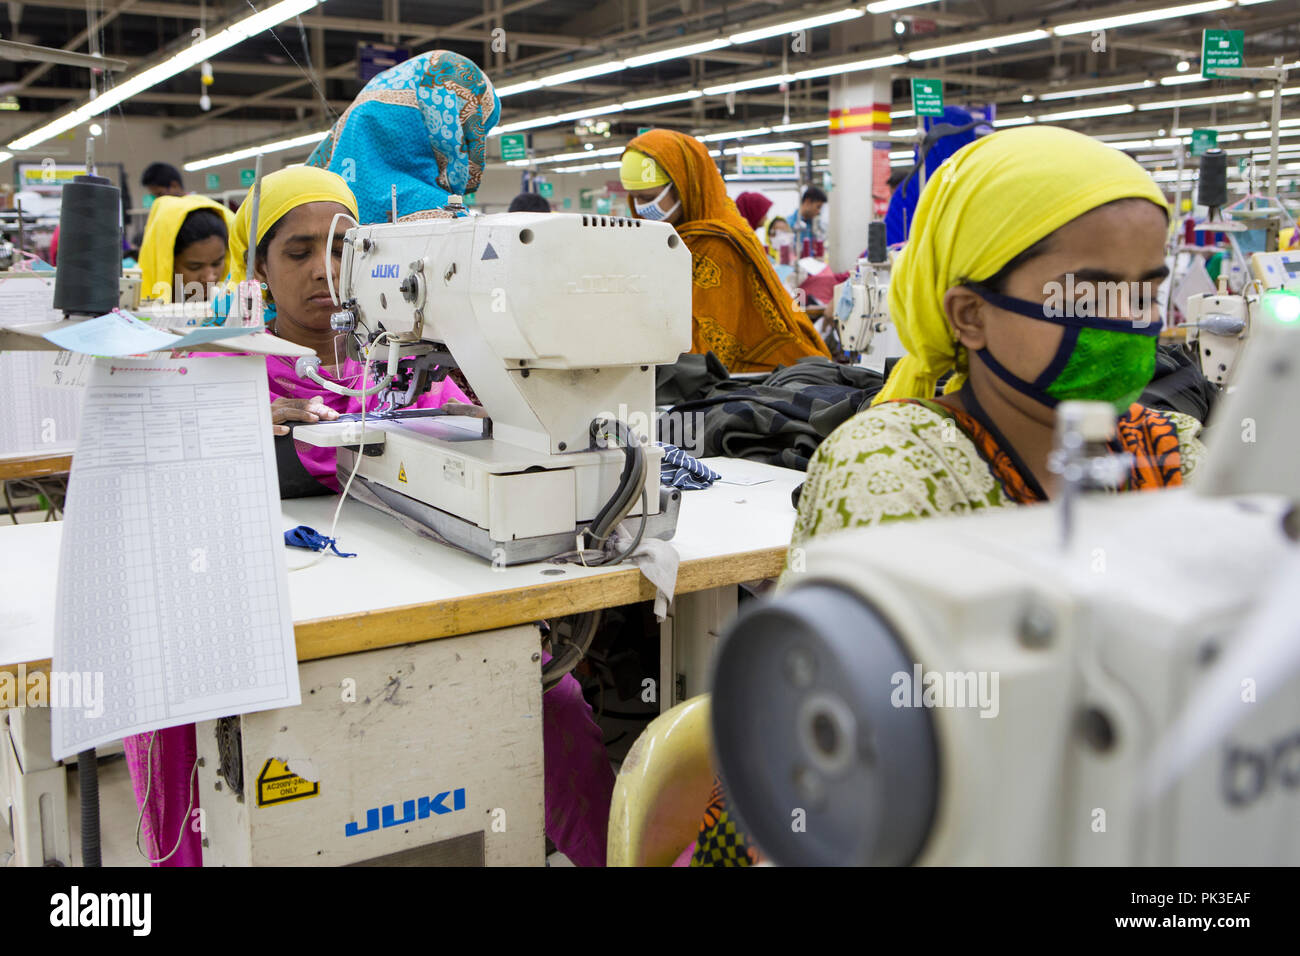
[173, 598]
[40, 401]
[38, 412]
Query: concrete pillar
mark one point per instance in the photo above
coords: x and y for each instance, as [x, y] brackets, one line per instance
[859, 103]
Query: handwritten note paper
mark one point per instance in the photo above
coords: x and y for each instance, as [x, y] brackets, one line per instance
[172, 581]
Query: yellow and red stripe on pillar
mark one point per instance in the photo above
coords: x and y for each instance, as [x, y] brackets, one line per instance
[859, 119]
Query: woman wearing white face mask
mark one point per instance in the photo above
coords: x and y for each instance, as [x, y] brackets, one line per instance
[742, 313]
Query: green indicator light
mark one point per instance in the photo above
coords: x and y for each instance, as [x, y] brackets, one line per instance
[1282, 306]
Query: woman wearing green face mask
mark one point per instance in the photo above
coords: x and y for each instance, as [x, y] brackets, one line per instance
[1030, 276]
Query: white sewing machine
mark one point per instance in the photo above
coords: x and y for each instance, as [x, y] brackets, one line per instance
[995, 689]
[1222, 321]
[557, 322]
[861, 315]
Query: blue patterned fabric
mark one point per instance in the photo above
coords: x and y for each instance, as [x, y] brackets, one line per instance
[421, 125]
[680, 470]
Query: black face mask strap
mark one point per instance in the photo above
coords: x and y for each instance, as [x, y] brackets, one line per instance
[1039, 311]
[1020, 385]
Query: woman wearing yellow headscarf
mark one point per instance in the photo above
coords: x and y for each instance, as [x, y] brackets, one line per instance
[185, 248]
[292, 259]
[1029, 278]
[742, 313]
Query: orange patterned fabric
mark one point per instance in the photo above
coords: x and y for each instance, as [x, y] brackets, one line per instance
[1146, 434]
[742, 312]
[1152, 439]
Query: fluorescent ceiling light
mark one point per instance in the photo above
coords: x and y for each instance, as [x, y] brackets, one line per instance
[607, 110]
[1085, 113]
[1012, 121]
[807, 23]
[856, 66]
[1268, 94]
[582, 73]
[736, 134]
[767, 148]
[660, 100]
[1147, 16]
[889, 6]
[901, 114]
[5, 157]
[274, 147]
[586, 154]
[1182, 78]
[1268, 134]
[585, 168]
[974, 46]
[182, 60]
[1095, 90]
[525, 87]
[1197, 101]
[791, 127]
[526, 124]
[774, 80]
[645, 59]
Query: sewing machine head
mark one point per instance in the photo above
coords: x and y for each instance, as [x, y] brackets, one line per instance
[520, 298]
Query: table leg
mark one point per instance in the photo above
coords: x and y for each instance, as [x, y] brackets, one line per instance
[687, 639]
[34, 790]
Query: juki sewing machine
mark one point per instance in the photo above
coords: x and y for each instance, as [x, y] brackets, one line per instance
[557, 322]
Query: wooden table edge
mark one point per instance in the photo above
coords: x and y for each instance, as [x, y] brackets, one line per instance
[34, 466]
[414, 623]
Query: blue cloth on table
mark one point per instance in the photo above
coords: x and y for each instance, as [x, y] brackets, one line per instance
[680, 470]
[311, 539]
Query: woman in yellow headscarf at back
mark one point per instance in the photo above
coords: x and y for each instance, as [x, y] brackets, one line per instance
[186, 248]
[1029, 279]
[742, 313]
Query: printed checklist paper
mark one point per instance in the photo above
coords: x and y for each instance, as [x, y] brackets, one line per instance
[172, 580]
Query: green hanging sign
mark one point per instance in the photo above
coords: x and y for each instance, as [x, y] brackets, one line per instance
[927, 97]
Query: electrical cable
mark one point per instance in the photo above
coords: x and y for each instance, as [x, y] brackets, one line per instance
[329, 254]
[144, 802]
[356, 466]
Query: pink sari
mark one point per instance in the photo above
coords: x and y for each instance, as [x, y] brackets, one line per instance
[579, 782]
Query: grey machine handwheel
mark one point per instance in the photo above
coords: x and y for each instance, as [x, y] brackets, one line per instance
[803, 722]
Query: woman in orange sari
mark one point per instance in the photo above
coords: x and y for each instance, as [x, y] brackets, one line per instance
[742, 313]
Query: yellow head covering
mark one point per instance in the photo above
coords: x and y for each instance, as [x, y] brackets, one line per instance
[157, 250]
[988, 203]
[281, 192]
[639, 171]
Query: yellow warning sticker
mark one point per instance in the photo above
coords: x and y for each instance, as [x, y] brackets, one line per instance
[401, 472]
[278, 784]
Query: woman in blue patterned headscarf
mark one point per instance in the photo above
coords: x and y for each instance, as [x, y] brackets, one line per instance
[422, 126]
